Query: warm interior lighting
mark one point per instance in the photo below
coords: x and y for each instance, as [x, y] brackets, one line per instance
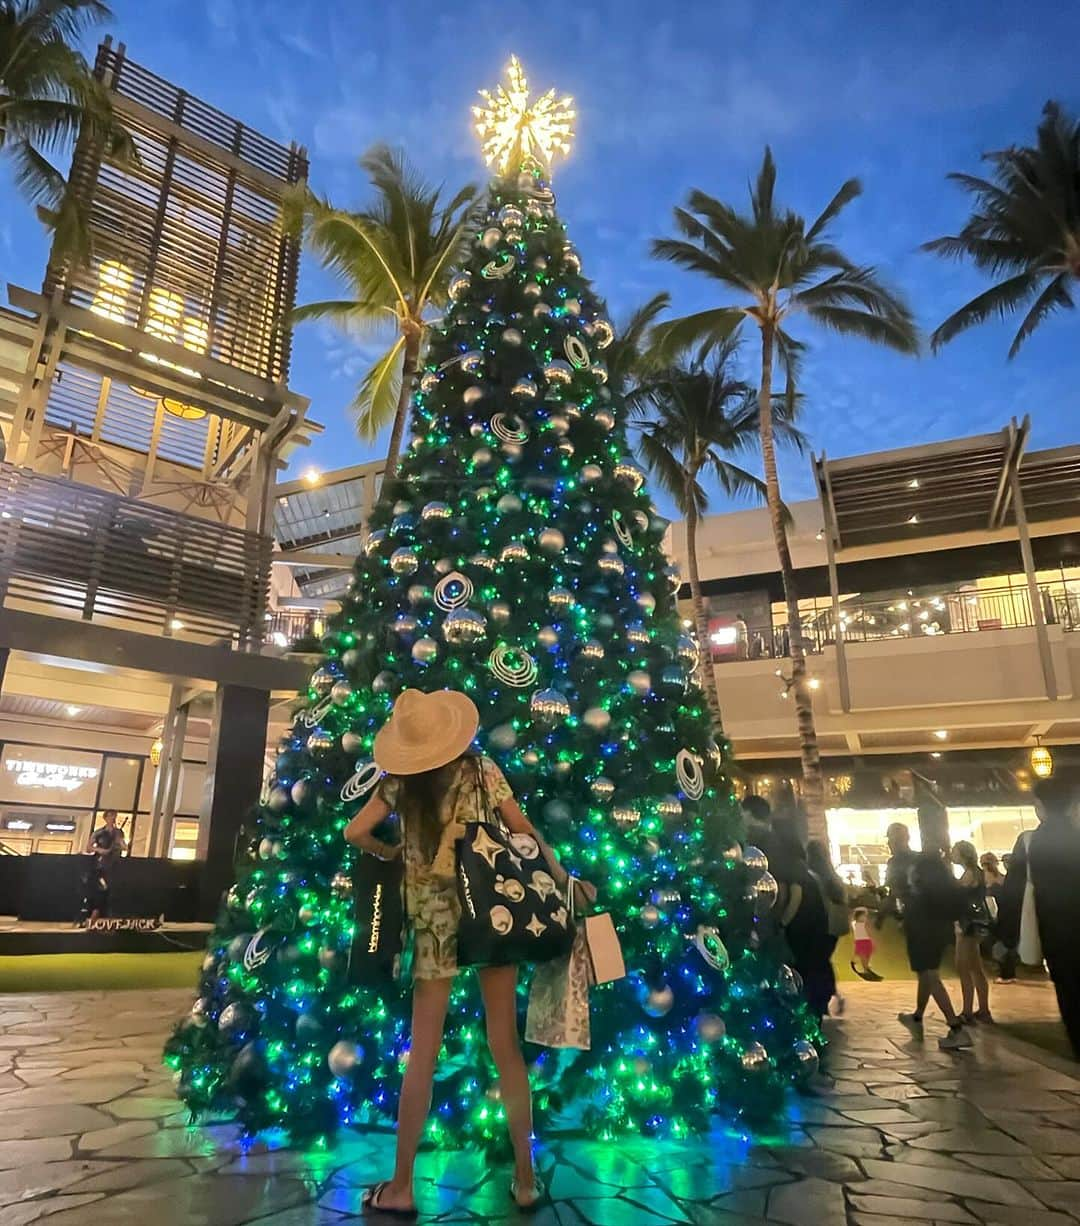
[114, 284]
[176, 624]
[73, 710]
[178, 408]
[941, 734]
[914, 519]
[312, 476]
[913, 484]
[157, 747]
[936, 753]
[1042, 760]
[815, 683]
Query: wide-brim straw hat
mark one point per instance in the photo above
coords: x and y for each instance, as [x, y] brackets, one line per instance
[425, 731]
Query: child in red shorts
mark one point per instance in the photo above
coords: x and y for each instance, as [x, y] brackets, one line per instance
[864, 945]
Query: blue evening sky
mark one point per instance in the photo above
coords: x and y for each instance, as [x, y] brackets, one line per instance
[670, 96]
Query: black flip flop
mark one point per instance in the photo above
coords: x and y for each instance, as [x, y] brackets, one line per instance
[370, 1204]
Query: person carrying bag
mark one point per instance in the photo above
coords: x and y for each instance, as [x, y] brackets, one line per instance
[474, 894]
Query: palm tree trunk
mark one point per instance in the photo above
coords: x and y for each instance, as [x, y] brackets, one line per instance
[813, 784]
[701, 621]
[408, 374]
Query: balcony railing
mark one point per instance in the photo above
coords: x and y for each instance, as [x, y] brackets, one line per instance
[289, 627]
[82, 552]
[962, 611]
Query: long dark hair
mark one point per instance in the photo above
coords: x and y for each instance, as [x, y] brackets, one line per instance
[418, 802]
[820, 862]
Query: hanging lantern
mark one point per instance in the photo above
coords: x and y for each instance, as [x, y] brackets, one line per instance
[1042, 761]
[156, 750]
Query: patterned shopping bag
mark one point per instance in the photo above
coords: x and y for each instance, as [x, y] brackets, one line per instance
[558, 1013]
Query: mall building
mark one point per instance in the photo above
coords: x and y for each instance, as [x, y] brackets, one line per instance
[940, 594]
[146, 415]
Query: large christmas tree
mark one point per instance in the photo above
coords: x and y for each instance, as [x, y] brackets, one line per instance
[516, 557]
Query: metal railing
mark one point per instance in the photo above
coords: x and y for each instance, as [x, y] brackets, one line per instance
[287, 627]
[83, 552]
[867, 620]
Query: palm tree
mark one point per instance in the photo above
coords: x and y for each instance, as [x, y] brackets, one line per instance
[689, 418]
[48, 96]
[780, 267]
[629, 357]
[396, 257]
[1024, 227]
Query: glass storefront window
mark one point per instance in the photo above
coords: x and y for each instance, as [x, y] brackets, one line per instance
[119, 781]
[859, 849]
[185, 838]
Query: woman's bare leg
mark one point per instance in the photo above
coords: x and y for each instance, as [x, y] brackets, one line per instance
[936, 989]
[966, 975]
[430, 997]
[499, 987]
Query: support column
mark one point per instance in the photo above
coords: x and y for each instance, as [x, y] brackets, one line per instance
[841, 651]
[234, 772]
[1038, 614]
[167, 771]
[5, 652]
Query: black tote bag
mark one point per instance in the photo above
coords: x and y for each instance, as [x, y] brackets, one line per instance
[379, 939]
[511, 908]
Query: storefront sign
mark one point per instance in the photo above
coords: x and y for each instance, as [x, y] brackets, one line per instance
[34, 774]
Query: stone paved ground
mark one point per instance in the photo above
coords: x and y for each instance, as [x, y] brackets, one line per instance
[90, 1133]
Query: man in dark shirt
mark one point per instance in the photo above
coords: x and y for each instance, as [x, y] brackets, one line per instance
[897, 872]
[106, 844]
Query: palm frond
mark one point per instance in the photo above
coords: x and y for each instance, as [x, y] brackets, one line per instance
[377, 397]
[714, 325]
[1055, 296]
[848, 192]
[999, 300]
[349, 313]
[35, 175]
[896, 333]
[761, 194]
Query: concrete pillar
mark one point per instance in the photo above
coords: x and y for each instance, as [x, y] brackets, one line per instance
[234, 772]
[1038, 614]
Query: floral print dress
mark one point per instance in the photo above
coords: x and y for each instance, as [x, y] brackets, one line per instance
[431, 896]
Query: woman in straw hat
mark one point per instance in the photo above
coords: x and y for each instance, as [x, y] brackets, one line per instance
[432, 783]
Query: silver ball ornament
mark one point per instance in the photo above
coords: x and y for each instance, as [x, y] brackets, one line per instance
[491, 238]
[374, 541]
[558, 372]
[755, 1059]
[646, 601]
[471, 395]
[591, 473]
[602, 788]
[658, 1001]
[320, 741]
[200, 1012]
[352, 743]
[547, 636]
[512, 337]
[432, 511]
[650, 915]
[459, 286]
[471, 361]
[549, 707]
[806, 1058]
[425, 650]
[592, 650]
[499, 611]
[754, 858]
[625, 816]
[524, 389]
[560, 598]
[464, 626]
[418, 594]
[404, 561]
[341, 885]
[710, 1027]
[551, 540]
[627, 473]
[610, 564]
[502, 736]
[513, 552]
[764, 892]
[322, 681]
[597, 719]
[508, 504]
[341, 693]
[343, 1058]
[669, 807]
[639, 681]
[605, 419]
[511, 215]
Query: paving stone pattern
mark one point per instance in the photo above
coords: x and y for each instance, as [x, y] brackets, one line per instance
[89, 1132]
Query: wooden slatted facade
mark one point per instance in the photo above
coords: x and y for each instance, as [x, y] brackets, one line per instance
[80, 552]
[187, 244]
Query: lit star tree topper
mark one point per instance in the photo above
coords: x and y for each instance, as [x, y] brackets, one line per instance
[514, 130]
